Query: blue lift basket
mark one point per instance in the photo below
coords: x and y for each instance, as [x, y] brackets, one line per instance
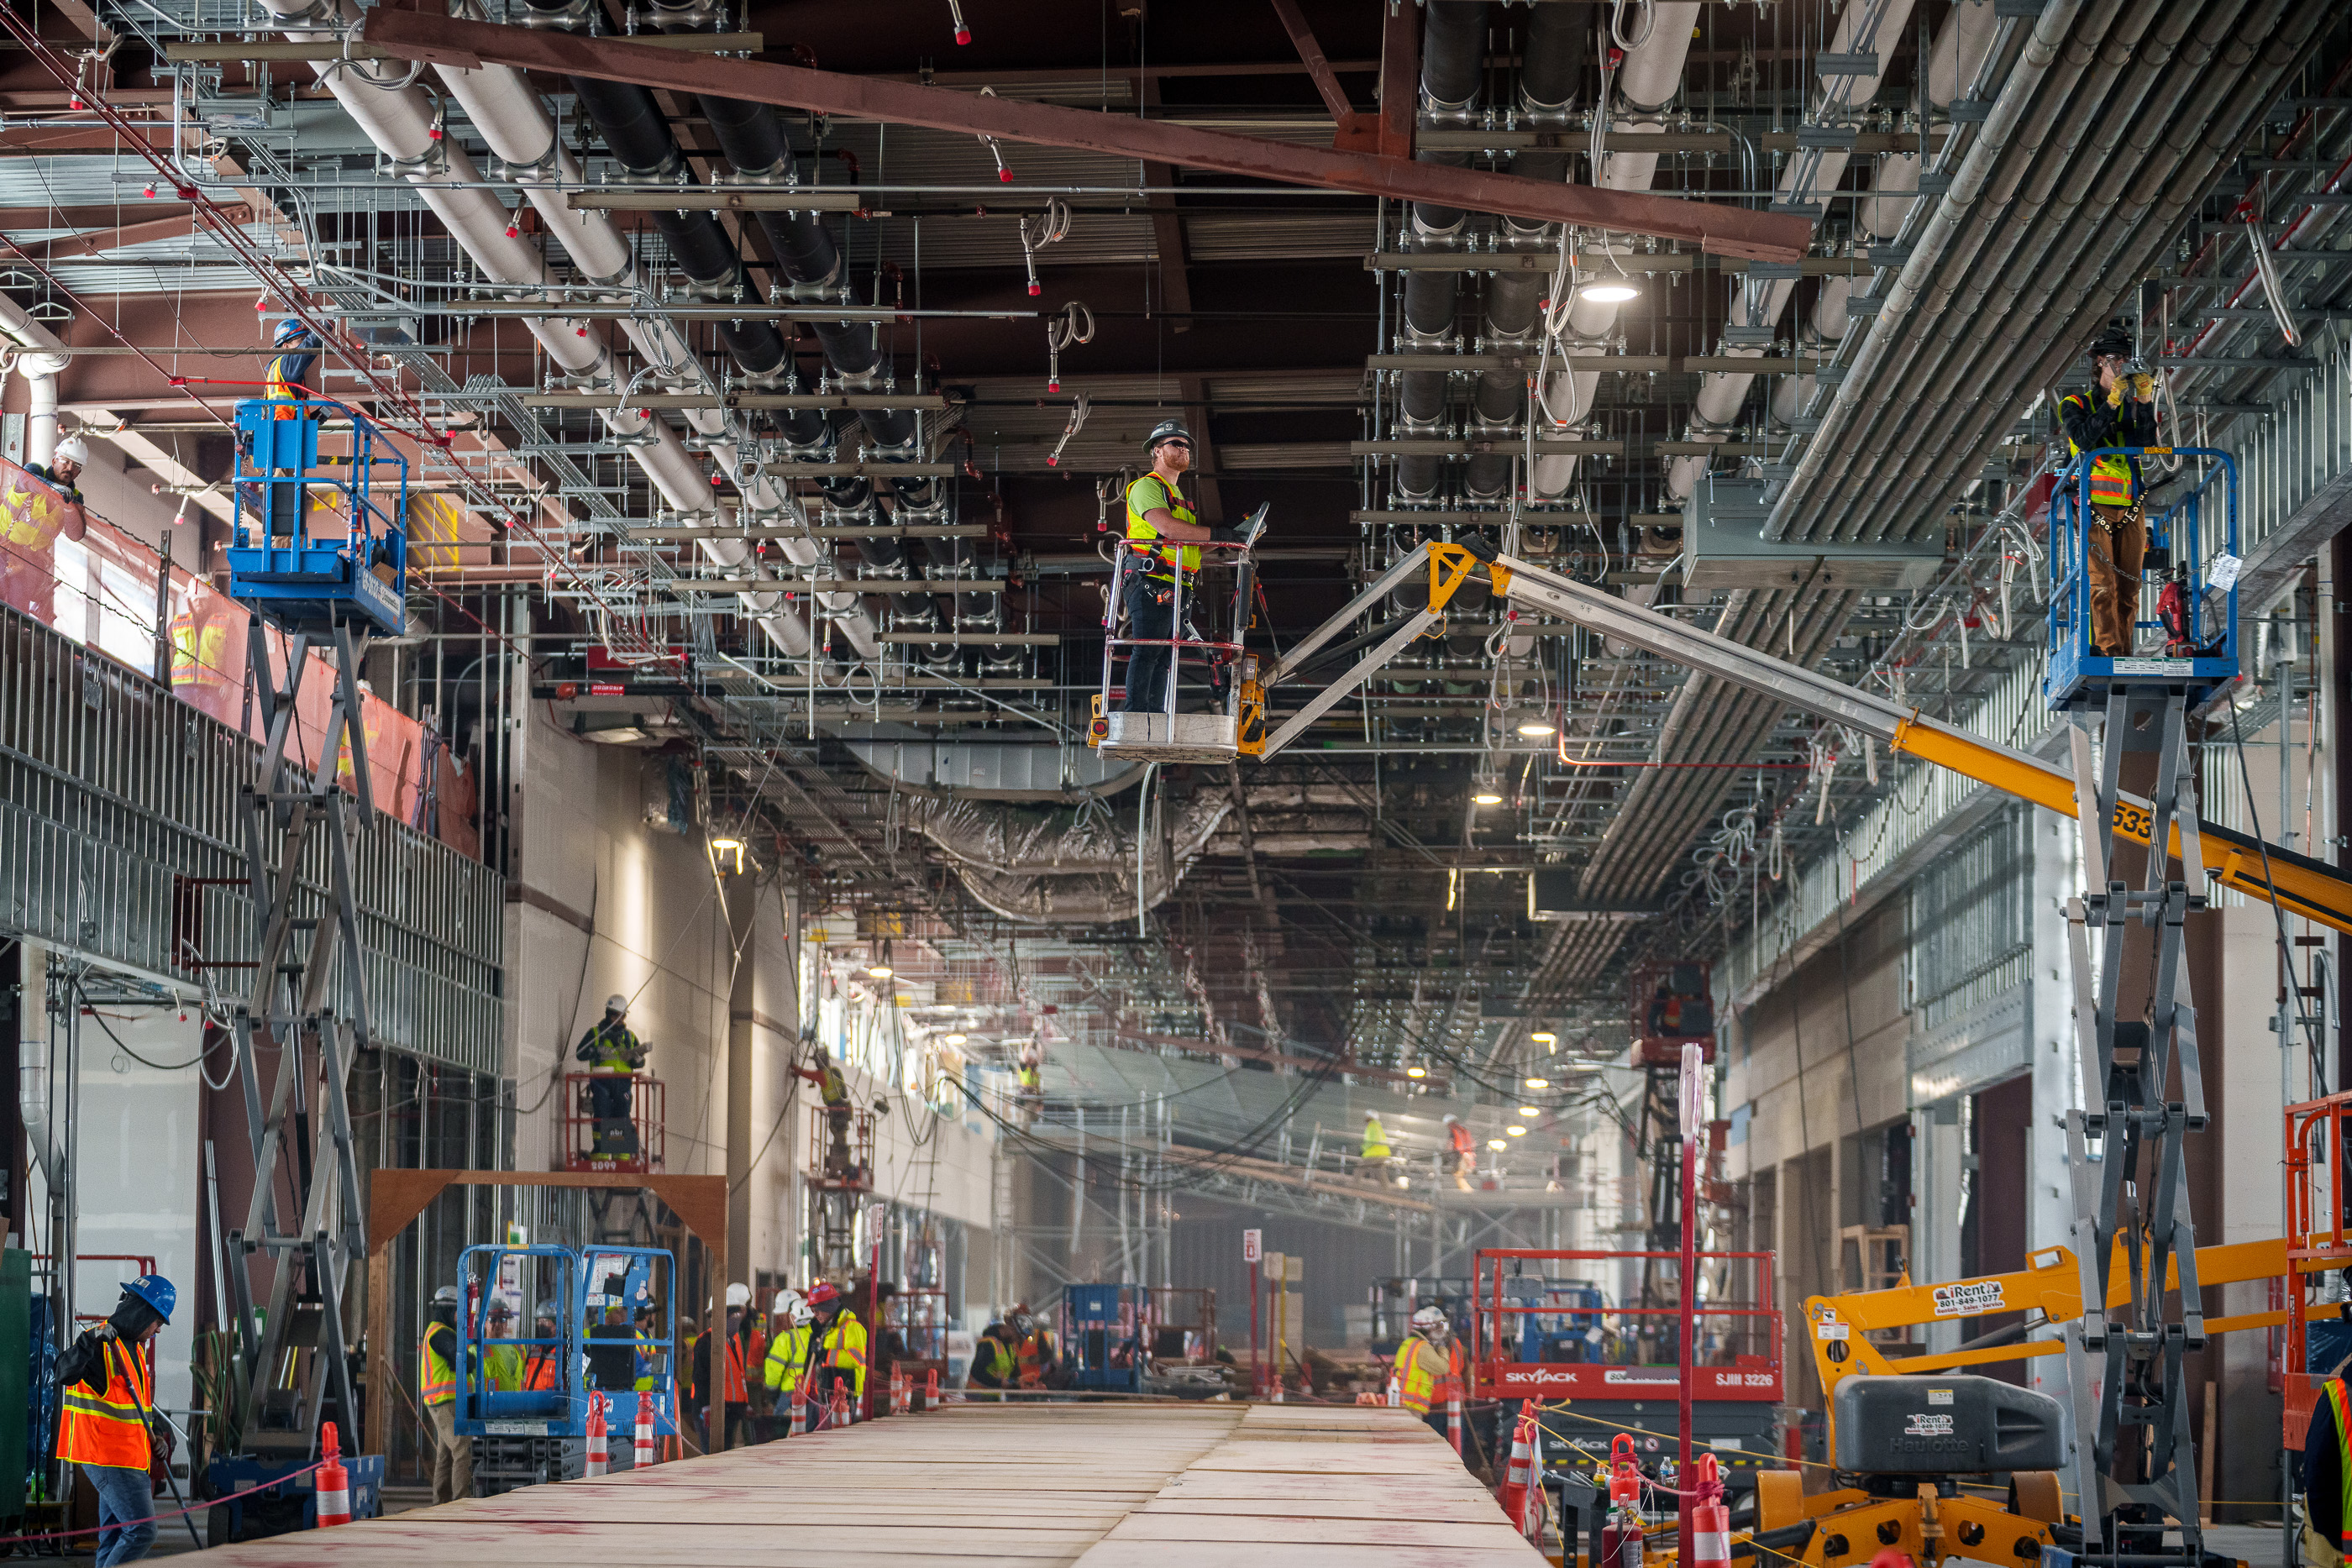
[297, 580]
[571, 1285]
[2188, 588]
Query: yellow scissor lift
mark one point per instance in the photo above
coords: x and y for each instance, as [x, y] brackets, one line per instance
[2302, 886]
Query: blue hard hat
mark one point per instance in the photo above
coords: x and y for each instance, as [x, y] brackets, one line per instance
[156, 1291]
[293, 326]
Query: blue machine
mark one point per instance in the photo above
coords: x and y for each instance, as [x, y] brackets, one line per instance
[571, 1287]
[2193, 534]
[1570, 1327]
[1102, 1341]
[276, 566]
[291, 1505]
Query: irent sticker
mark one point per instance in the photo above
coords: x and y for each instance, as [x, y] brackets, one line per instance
[1939, 1397]
[1967, 1300]
[1928, 1424]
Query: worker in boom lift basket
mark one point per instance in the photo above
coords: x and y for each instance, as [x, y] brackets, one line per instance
[108, 1425]
[833, 1088]
[437, 1391]
[1374, 1159]
[1159, 512]
[2121, 411]
[614, 1055]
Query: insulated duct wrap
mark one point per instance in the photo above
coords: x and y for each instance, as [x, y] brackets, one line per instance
[1063, 865]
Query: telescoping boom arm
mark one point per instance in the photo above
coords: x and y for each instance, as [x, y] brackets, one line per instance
[2300, 885]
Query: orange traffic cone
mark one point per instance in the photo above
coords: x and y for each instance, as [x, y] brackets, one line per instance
[334, 1483]
[800, 1411]
[1520, 1474]
[599, 1459]
[932, 1389]
[838, 1415]
[644, 1456]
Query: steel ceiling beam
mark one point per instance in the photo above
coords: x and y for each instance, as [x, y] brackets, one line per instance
[1718, 229]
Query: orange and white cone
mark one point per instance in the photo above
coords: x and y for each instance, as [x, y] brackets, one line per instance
[1396, 1390]
[333, 1484]
[1518, 1476]
[932, 1389]
[644, 1456]
[599, 1459]
[838, 1414]
[800, 1411]
[1454, 1420]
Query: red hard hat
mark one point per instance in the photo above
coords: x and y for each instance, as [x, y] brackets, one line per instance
[822, 1294]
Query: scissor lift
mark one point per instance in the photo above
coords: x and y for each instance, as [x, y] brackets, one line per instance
[310, 591]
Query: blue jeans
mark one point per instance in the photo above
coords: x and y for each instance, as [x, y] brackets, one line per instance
[122, 1495]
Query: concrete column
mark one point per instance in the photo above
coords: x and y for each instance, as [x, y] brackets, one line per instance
[742, 896]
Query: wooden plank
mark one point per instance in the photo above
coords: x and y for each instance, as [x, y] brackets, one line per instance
[1293, 1554]
[1384, 1504]
[1494, 1534]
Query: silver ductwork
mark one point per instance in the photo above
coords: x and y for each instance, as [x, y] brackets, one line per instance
[1065, 866]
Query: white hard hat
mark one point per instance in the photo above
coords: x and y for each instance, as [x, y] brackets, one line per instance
[1429, 1320]
[616, 1003]
[72, 449]
[738, 1295]
[446, 1296]
[791, 1308]
[1451, 1117]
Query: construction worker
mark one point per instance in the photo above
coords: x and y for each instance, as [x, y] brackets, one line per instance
[1029, 1081]
[646, 1366]
[1429, 1367]
[833, 1088]
[107, 1394]
[1461, 1152]
[614, 1055]
[1376, 1153]
[501, 1363]
[1036, 1360]
[437, 1391]
[289, 371]
[789, 1339]
[993, 1364]
[542, 1369]
[1158, 510]
[63, 470]
[841, 1345]
[734, 1418]
[2120, 413]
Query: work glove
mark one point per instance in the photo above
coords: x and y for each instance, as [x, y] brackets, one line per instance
[2143, 387]
[2115, 393]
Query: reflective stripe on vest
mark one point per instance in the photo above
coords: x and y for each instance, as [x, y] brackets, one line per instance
[436, 1380]
[1421, 1370]
[105, 1429]
[2338, 1397]
[1163, 561]
[845, 1347]
[787, 1353]
[2111, 476]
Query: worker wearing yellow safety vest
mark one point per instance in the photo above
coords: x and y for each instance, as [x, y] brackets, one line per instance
[1429, 1367]
[1376, 1152]
[614, 1055]
[2327, 1477]
[992, 1362]
[501, 1363]
[1158, 511]
[841, 1343]
[437, 1391]
[2120, 413]
[107, 1393]
[787, 1363]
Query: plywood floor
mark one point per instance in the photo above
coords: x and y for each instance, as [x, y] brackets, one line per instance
[1099, 1486]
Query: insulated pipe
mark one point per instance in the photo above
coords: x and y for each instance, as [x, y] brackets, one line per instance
[40, 358]
[1452, 50]
[1871, 27]
[401, 123]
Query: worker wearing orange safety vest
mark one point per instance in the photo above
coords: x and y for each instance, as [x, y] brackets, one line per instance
[436, 1392]
[2121, 411]
[1429, 1367]
[1037, 1361]
[108, 1391]
[543, 1367]
[2327, 1477]
[841, 1343]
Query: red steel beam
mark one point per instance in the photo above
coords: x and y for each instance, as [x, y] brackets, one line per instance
[1718, 229]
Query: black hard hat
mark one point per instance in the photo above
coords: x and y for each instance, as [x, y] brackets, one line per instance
[2114, 341]
[1165, 431]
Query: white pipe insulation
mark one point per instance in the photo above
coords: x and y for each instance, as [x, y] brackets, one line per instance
[399, 120]
[1954, 57]
[40, 358]
[1646, 82]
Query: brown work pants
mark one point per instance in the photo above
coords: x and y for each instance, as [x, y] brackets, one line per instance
[452, 1468]
[2118, 544]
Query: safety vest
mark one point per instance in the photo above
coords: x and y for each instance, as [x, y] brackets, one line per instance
[787, 1355]
[1376, 1140]
[2112, 483]
[615, 1049]
[737, 1392]
[106, 1429]
[996, 1356]
[543, 1368]
[1423, 1373]
[287, 372]
[2339, 1399]
[502, 1368]
[644, 1365]
[437, 1378]
[832, 1087]
[844, 1348]
[1034, 1353]
[1143, 495]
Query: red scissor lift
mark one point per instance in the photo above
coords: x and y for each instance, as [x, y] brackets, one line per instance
[579, 1147]
[1543, 1327]
[2316, 1243]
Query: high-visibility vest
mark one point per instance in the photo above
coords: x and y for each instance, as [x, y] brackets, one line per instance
[1034, 1351]
[1376, 1140]
[543, 1368]
[1145, 495]
[1425, 1372]
[105, 1429]
[832, 1087]
[996, 1356]
[737, 1393]
[646, 1350]
[844, 1348]
[2112, 481]
[502, 1368]
[2339, 1399]
[436, 1377]
[787, 1355]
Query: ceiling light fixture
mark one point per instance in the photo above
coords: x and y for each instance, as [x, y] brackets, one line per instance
[1544, 1037]
[1416, 1072]
[1529, 1111]
[1496, 1144]
[1515, 1131]
[1609, 292]
[955, 1039]
[1535, 724]
[1539, 1083]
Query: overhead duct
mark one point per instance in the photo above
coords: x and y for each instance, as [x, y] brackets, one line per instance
[1452, 46]
[1075, 866]
[40, 358]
